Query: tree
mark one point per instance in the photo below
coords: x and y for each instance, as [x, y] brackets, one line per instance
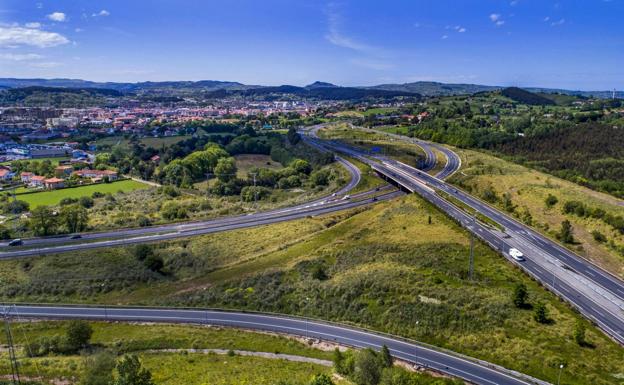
[154, 263]
[339, 359]
[225, 169]
[367, 368]
[541, 313]
[98, 369]
[131, 372]
[74, 217]
[15, 207]
[385, 357]
[142, 251]
[301, 166]
[5, 233]
[321, 379]
[566, 234]
[43, 221]
[293, 136]
[78, 334]
[520, 295]
[579, 334]
[551, 200]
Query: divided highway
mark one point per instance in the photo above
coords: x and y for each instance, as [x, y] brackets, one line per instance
[597, 294]
[471, 370]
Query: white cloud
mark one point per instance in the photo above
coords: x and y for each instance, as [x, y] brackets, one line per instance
[78, 30]
[500, 22]
[33, 25]
[57, 16]
[495, 17]
[14, 36]
[102, 13]
[444, 37]
[461, 30]
[546, 19]
[514, 3]
[335, 37]
[558, 23]
[51, 64]
[20, 56]
[39, 5]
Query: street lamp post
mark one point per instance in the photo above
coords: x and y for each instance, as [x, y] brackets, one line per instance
[559, 377]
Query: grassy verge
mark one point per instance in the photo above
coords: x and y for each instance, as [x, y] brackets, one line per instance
[528, 189]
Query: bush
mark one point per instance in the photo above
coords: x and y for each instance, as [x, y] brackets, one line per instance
[598, 236]
[301, 166]
[68, 201]
[321, 379]
[289, 182]
[5, 233]
[541, 313]
[320, 178]
[520, 295]
[173, 210]
[551, 200]
[250, 193]
[86, 202]
[78, 334]
[154, 263]
[144, 221]
[142, 251]
[97, 194]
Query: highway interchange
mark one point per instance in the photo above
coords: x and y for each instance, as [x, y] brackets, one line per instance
[595, 293]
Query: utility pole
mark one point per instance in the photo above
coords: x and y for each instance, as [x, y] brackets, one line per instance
[12, 357]
[471, 261]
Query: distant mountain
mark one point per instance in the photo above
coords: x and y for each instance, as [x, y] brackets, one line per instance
[435, 88]
[330, 92]
[207, 85]
[318, 84]
[214, 87]
[57, 96]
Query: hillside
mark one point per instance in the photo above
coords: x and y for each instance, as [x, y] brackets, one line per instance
[56, 96]
[526, 97]
[435, 88]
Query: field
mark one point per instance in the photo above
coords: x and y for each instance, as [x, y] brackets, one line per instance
[399, 267]
[528, 190]
[246, 162]
[147, 141]
[53, 197]
[55, 161]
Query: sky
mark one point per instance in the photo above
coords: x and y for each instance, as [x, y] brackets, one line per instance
[572, 44]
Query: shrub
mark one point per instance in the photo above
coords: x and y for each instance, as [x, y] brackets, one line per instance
[598, 236]
[541, 313]
[154, 263]
[520, 295]
[251, 193]
[86, 202]
[321, 379]
[551, 200]
[78, 334]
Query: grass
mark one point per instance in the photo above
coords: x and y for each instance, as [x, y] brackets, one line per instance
[147, 141]
[175, 368]
[528, 190]
[387, 267]
[247, 162]
[53, 197]
[55, 161]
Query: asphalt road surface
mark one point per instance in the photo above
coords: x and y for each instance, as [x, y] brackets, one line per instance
[471, 370]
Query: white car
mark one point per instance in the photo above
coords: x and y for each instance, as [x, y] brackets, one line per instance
[516, 254]
[346, 197]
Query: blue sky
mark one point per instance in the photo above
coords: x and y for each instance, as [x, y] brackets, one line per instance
[577, 44]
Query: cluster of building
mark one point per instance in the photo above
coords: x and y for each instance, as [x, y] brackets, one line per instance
[62, 172]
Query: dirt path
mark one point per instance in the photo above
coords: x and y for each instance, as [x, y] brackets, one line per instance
[276, 356]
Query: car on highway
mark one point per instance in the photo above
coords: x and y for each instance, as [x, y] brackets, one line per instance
[16, 242]
[346, 197]
[75, 236]
[516, 254]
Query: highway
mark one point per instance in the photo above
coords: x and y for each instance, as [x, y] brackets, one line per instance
[597, 294]
[449, 363]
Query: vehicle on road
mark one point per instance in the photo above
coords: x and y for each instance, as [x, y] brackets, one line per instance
[16, 242]
[346, 197]
[75, 236]
[516, 254]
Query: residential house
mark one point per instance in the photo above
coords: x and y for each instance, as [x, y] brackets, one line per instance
[63, 171]
[25, 176]
[36, 181]
[53, 183]
[6, 174]
[97, 175]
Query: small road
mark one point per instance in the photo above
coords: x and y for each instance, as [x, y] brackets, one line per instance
[449, 363]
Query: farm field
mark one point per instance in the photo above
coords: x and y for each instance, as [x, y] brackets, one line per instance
[53, 197]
